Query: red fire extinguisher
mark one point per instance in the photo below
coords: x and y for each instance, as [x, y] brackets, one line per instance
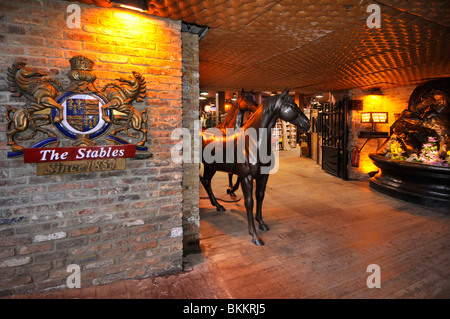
[355, 157]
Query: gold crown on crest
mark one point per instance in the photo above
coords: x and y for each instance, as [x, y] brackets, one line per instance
[80, 62]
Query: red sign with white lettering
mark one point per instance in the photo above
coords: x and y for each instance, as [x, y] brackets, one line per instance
[61, 154]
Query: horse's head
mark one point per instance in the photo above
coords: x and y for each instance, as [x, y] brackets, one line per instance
[245, 102]
[290, 112]
[434, 100]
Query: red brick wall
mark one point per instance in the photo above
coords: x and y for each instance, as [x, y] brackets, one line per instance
[393, 101]
[114, 225]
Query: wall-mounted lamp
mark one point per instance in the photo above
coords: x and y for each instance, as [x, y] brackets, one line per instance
[366, 117]
[374, 99]
[379, 117]
[136, 5]
[194, 29]
[375, 91]
[374, 117]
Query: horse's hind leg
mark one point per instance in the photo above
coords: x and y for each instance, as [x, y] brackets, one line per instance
[208, 174]
[259, 194]
[236, 186]
[231, 189]
[247, 189]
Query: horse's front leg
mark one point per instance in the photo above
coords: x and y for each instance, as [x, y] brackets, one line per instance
[113, 104]
[247, 189]
[261, 183]
[230, 184]
[49, 102]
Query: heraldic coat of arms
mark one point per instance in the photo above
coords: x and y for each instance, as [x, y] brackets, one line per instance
[81, 112]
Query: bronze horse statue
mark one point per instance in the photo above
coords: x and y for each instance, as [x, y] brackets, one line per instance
[235, 119]
[253, 167]
[235, 116]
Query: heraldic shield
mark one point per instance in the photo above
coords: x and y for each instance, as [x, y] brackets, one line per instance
[82, 115]
[81, 112]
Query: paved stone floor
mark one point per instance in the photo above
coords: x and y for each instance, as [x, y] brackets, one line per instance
[324, 233]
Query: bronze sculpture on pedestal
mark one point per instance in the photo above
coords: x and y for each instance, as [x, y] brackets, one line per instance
[414, 161]
[427, 115]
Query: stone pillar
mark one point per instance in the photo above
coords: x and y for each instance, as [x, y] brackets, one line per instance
[191, 102]
[220, 105]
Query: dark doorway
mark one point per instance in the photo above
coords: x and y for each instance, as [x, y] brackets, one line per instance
[334, 125]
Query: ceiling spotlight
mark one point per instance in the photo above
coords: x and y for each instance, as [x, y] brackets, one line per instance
[234, 98]
[319, 95]
[136, 5]
[204, 93]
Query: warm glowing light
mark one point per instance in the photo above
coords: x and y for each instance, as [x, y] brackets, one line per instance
[208, 136]
[126, 16]
[207, 108]
[374, 117]
[373, 101]
[365, 117]
[130, 7]
[380, 117]
[227, 106]
[367, 166]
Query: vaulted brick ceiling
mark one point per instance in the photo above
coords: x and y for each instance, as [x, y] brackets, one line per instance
[315, 45]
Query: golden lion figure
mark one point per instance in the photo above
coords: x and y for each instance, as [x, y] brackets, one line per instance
[41, 91]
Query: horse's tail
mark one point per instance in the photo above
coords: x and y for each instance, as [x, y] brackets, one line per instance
[11, 78]
[142, 86]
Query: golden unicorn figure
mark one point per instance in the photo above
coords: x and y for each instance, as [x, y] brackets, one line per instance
[120, 98]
